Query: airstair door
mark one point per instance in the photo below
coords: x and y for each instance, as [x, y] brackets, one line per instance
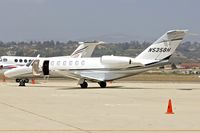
[45, 67]
[35, 68]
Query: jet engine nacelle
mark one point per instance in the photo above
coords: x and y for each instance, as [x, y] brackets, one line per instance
[115, 60]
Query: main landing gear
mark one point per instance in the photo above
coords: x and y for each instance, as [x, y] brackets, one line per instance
[102, 84]
[84, 84]
[22, 82]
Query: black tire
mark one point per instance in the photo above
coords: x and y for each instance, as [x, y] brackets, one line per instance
[22, 82]
[84, 85]
[102, 84]
[18, 80]
[26, 80]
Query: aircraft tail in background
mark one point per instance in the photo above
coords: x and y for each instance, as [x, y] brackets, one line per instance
[85, 49]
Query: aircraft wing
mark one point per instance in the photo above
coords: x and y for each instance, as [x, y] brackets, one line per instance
[75, 74]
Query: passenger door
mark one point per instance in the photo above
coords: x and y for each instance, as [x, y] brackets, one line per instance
[45, 67]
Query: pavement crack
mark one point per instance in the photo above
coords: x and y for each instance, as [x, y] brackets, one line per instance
[43, 116]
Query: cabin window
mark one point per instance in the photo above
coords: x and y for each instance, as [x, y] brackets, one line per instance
[83, 62]
[64, 63]
[58, 63]
[16, 60]
[20, 60]
[5, 60]
[25, 61]
[70, 63]
[77, 62]
[52, 63]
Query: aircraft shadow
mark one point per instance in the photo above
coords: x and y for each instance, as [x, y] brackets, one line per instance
[89, 88]
[107, 88]
[98, 88]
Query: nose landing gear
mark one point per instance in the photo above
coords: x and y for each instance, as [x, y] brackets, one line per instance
[22, 82]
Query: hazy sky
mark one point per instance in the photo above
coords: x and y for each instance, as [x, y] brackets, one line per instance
[62, 20]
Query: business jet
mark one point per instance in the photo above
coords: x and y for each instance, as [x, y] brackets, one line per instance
[106, 68]
[85, 49]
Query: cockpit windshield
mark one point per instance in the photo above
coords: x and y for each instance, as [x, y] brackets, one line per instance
[0, 59]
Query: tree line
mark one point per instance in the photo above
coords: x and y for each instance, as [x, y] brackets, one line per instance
[187, 51]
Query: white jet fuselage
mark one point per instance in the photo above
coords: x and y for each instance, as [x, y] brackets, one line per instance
[103, 68]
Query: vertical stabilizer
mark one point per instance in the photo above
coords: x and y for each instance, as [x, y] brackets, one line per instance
[164, 47]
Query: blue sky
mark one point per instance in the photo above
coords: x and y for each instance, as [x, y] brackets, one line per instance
[112, 20]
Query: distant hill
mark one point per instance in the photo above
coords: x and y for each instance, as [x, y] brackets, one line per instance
[186, 52]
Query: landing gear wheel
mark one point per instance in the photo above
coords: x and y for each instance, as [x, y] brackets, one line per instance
[84, 85]
[18, 80]
[22, 82]
[102, 84]
[26, 80]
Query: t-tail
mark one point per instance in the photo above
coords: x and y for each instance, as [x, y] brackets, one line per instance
[163, 48]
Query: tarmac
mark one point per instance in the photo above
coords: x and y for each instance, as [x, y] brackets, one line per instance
[124, 106]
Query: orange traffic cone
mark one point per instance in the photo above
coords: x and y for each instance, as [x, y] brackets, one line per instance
[169, 108]
[33, 81]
